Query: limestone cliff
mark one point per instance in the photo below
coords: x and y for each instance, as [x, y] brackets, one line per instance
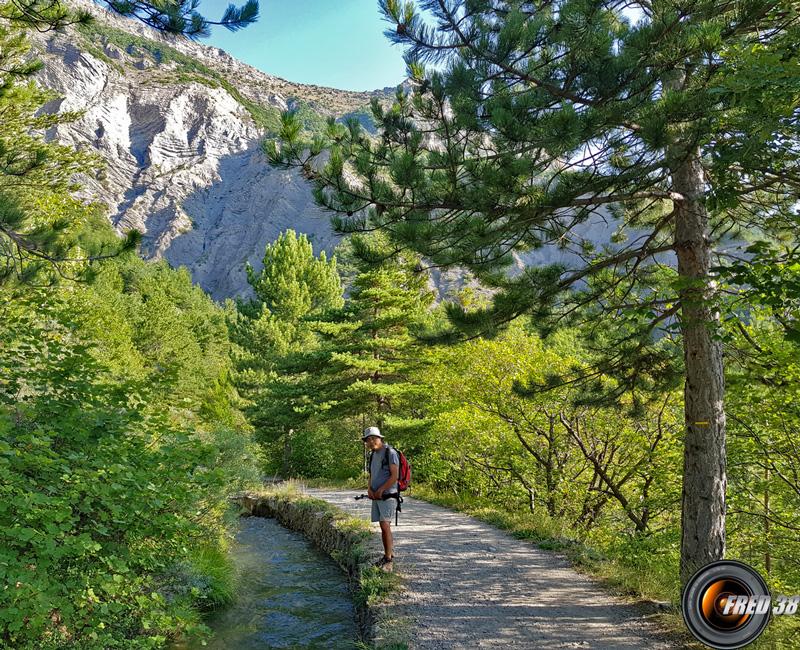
[179, 125]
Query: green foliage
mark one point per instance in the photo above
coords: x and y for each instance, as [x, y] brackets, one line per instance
[207, 578]
[598, 468]
[165, 334]
[472, 458]
[118, 446]
[45, 233]
[764, 382]
[119, 432]
[317, 451]
[769, 281]
[362, 371]
[43, 14]
[363, 115]
[292, 286]
[292, 282]
[181, 16]
[315, 368]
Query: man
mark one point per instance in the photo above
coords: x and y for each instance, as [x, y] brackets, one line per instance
[383, 474]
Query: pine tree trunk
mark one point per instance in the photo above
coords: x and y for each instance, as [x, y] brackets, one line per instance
[704, 458]
[767, 543]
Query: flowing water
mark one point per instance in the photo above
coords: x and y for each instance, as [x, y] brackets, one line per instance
[289, 595]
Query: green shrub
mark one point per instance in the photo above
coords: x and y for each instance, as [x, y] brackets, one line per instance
[102, 494]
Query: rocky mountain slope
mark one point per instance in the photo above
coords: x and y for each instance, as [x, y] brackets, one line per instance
[179, 125]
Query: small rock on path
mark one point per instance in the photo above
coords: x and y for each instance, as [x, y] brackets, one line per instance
[470, 585]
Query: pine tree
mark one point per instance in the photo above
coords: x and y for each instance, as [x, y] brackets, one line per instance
[292, 286]
[179, 17]
[366, 364]
[182, 17]
[539, 118]
[44, 231]
[292, 282]
[42, 15]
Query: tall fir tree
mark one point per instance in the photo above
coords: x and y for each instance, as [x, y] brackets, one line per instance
[292, 286]
[673, 120]
[366, 363]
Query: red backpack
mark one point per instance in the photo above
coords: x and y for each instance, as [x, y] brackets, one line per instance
[404, 471]
[404, 475]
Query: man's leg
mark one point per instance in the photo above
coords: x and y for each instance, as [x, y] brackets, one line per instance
[386, 537]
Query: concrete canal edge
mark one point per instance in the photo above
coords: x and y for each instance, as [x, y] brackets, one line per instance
[350, 543]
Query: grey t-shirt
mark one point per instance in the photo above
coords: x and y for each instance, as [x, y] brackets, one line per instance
[379, 473]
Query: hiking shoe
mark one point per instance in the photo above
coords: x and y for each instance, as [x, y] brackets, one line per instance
[385, 563]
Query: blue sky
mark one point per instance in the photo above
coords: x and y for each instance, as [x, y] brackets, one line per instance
[337, 43]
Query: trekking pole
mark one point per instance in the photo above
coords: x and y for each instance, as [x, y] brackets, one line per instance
[388, 496]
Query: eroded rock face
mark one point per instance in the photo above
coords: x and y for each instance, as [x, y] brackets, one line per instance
[183, 159]
[184, 164]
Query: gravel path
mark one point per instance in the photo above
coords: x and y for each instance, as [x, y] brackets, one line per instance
[470, 585]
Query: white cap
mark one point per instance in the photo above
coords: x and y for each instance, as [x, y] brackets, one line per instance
[371, 431]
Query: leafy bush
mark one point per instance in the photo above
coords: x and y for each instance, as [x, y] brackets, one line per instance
[102, 493]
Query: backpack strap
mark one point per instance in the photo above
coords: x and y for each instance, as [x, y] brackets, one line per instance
[385, 460]
[397, 497]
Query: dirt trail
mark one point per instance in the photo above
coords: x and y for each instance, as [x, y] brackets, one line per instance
[470, 585]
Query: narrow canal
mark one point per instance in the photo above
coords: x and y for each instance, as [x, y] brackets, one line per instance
[289, 595]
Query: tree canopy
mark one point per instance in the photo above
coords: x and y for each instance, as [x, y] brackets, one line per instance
[673, 133]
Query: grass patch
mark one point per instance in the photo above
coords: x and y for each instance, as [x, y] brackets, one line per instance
[205, 581]
[375, 586]
[215, 582]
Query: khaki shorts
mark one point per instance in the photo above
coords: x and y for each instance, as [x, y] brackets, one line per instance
[383, 510]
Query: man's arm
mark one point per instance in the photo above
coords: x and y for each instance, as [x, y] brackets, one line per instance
[370, 493]
[394, 471]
